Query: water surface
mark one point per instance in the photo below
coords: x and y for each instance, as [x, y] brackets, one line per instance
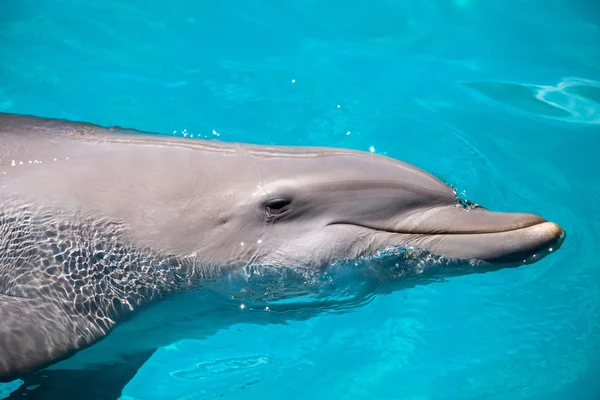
[499, 99]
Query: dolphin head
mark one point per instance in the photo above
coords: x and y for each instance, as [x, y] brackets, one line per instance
[314, 207]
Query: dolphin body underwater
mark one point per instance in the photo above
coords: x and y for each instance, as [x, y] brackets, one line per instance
[98, 225]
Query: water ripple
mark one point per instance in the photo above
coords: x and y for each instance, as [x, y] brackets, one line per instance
[572, 100]
[221, 366]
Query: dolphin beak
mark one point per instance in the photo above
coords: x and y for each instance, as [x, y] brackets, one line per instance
[457, 220]
[488, 236]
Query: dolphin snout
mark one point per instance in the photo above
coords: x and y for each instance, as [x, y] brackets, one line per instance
[552, 230]
[537, 242]
[526, 244]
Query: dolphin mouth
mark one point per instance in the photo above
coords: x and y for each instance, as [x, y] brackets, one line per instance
[450, 220]
[524, 245]
[479, 234]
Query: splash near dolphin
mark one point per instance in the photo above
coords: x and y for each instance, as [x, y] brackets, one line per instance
[98, 223]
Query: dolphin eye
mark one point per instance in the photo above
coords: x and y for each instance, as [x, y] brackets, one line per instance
[277, 206]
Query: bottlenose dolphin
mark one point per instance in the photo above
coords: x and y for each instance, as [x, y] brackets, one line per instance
[97, 223]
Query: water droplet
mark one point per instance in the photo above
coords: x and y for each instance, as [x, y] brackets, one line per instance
[259, 241]
[30, 161]
[55, 159]
[339, 106]
[548, 249]
[20, 162]
[241, 244]
[372, 149]
[267, 308]
[347, 133]
[242, 306]
[12, 164]
[293, 81]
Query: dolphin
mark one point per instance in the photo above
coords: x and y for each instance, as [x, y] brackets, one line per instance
[97, 224]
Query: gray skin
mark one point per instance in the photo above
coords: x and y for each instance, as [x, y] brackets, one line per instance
[96, 223]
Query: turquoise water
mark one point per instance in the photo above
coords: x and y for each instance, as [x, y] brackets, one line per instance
[500, 99]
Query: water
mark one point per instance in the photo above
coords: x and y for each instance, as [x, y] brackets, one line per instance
[500, 99]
